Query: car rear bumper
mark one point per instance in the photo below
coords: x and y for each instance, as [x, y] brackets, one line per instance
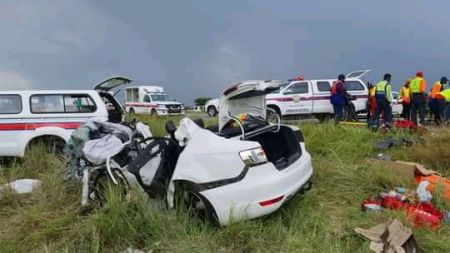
[262, 191]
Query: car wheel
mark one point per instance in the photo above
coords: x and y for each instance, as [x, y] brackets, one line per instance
[103, 189]
[212, 111]
[190, 201]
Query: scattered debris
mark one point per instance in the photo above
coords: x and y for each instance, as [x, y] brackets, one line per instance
[391, 237]
[130, 250]
[21, 186]
[401, 141]
[383, 157]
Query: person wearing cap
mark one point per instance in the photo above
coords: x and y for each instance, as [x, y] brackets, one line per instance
[417, 87]
[435, 104]
[383, 95]
[405, 96]
[337, 98]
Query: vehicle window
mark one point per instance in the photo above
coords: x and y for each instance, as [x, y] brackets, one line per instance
[323, 86]
[10, 104]
[356, 74]
[132, 95]
[161, 97]
[298, 88]
[277, 90]
[353, 86]
[59, 103]
[147, 99]
[79, 103]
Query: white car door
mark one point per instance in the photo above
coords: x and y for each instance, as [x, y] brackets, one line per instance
[300, 98]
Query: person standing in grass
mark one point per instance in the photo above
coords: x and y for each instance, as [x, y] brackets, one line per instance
[383, 95]
[337, 98]
[405, 96]
[435, 105]
[418, 98]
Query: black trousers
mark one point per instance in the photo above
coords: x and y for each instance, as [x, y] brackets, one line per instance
[418, 105]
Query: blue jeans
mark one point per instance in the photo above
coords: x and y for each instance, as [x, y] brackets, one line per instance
[338, 112]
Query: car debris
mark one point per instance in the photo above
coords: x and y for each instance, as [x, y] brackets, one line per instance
[244, 168]
[21, 186]
[390, 237]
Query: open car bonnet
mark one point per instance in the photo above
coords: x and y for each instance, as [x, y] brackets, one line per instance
[111, 83]
[245, 97]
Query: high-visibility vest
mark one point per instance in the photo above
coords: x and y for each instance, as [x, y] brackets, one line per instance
[445, 94]
[405, 94]
[415, 85]
[381, 89]
[436, 89]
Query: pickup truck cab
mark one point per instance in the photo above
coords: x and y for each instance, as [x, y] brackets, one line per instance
[50, 116]
[312, 97]
[151, 100]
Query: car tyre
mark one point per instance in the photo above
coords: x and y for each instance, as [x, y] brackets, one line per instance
[101, 184]
[189, 200]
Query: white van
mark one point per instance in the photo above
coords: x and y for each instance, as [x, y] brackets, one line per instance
[151, 100]
[50, 116]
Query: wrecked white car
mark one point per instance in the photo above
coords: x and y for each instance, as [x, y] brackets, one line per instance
[243, 168]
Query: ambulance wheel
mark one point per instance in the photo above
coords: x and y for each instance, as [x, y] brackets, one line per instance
[51, 144]
[189, 200]
[211, 111]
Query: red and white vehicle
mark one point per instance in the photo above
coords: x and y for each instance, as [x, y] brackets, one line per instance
[151, 100]
[50, 116]
[312, 97]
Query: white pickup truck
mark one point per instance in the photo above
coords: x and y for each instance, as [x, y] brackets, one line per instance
[312, 97]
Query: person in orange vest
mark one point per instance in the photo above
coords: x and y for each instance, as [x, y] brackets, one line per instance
[435, 106]
[337, 98]
[405, 96]
[418, 99]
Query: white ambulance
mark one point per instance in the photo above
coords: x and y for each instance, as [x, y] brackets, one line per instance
[151, 100]
[50, 116]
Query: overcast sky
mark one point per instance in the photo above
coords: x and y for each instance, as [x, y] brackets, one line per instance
[197, 48]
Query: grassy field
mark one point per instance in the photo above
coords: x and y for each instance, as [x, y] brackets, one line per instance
[322, 220]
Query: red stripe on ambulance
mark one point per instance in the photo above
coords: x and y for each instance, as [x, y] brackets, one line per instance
[34, 126]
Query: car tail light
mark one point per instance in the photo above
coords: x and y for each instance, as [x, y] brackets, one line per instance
[271, 201]
[253, 157]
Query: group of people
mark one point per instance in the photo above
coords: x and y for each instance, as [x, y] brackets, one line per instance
[413, 95]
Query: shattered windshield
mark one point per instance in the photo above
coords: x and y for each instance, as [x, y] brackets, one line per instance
[162, 97]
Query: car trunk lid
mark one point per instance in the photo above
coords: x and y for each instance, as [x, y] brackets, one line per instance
[245, 97]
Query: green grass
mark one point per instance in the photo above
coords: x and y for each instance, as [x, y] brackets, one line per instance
[322, 220]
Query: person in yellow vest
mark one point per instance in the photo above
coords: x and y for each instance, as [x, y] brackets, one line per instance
[383, 95]
[443, 101]
[372, 102]
[405, 96]
[435, 107]
[418, 99]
